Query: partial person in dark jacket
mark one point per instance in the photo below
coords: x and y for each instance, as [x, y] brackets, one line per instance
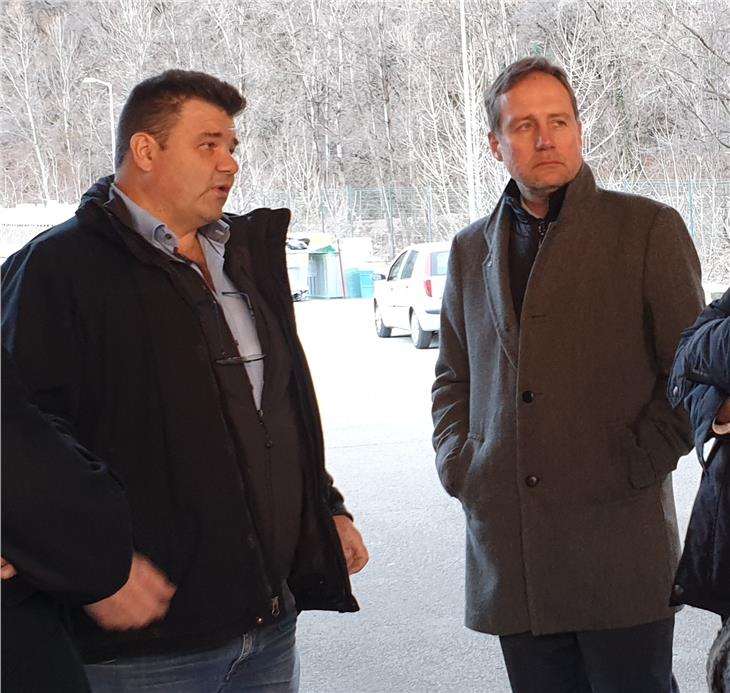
[66, 539]
[163, 333]
[701, 381]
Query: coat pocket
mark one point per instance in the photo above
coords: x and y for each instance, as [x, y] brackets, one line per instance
[631, 461]
[454, 469]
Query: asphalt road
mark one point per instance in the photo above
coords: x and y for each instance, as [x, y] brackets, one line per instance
[409, 636]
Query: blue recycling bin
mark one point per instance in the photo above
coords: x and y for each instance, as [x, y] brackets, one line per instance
[367, 285]
[352, 282]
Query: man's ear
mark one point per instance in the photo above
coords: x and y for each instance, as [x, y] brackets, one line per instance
[494, 146]
[143, 148]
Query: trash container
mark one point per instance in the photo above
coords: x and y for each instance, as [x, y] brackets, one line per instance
[352, 282]
[325, 280]
[366, 284]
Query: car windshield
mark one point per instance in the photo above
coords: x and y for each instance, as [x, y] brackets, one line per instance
[439, 262]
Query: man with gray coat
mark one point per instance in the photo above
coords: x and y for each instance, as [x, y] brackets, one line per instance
[560, 318]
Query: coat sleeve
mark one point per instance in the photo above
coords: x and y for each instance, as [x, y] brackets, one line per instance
[673, 297]
[450, 392]
[700, 376]
[65, 521]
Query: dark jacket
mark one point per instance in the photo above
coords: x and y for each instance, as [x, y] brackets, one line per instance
[555, 433]
[701, 381]
[67, 531]
[108, 340]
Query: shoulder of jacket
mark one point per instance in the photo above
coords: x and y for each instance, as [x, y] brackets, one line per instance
[616, 199]
[280, 216]
[54, 241]
[723, 303]
[69, 248]
[475, 230]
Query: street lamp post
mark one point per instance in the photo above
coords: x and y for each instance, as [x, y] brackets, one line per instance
[112, 130]
[468, 117]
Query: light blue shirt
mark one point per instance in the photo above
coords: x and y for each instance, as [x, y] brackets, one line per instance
[235, 304]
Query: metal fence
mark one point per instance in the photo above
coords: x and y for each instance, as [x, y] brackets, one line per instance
[394, 217]
[397, 216]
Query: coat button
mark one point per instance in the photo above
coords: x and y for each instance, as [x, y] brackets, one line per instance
[259, 621]
[528, 396]
[532, 481]
[677, 591]
[675, 390]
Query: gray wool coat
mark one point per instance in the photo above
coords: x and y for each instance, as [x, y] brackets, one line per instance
[555, 433]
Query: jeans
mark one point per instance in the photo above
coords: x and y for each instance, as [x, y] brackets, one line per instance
[621, 660]
[263, 660]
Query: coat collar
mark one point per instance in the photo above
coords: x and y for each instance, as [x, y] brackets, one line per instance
[496, 280]
[574, 215]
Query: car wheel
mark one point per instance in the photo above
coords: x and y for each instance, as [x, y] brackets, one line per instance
[420, 338]
[380, 329]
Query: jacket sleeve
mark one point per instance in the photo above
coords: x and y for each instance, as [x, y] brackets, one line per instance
[673, 297]
[65, 520]
[700, 376]
[40, 330]
[703, 354]
[450, 393]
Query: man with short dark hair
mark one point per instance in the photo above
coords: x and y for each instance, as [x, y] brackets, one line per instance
[560, 317]
[162, 332]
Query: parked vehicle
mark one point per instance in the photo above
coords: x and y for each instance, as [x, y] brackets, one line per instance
[409, 296]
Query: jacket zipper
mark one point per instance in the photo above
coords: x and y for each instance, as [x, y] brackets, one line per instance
[265, 575]
[268, 444]
[542, 229]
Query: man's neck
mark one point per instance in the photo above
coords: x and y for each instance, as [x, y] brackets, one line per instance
[137, 194]
[536, 202]
[539, 210]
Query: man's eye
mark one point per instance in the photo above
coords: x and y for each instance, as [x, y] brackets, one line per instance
[208, 145]
[524, 126]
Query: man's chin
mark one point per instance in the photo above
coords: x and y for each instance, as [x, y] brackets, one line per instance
[214, 213]
[549, 184]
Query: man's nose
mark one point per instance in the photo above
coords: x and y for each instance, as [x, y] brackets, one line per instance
[544, 139]
[228, 163]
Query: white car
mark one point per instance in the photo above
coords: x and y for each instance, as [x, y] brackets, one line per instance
[409, 297]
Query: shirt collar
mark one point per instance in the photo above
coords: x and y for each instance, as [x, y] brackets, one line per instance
[157, 234]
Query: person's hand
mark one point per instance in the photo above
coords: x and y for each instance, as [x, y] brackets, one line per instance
[144, 598]
[721, 424]
[356, 555]
[7, 570]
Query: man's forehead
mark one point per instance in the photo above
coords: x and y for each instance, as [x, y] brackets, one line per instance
[521, 103]
[206, 115]
[205, 131]
[536, 85]
[520, 111]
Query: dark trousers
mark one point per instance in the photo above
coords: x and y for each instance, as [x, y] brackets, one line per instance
[620, 660]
